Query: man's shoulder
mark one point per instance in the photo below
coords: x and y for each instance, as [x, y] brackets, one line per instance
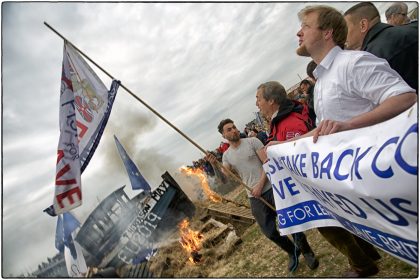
[384, 40]
[295, 120]
[377, 30]
[347, 58]
[253, 141]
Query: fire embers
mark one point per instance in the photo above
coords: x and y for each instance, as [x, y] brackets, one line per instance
[204, 184]
[191, 241]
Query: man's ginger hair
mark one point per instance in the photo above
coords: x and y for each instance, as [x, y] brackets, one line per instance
[328, 18]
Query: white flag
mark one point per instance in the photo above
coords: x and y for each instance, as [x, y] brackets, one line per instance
[85, 106]
[76, 267]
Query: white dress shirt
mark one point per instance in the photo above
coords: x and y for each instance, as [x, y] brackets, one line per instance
[350, 83]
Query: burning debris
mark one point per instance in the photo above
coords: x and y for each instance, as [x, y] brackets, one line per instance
[212, 242]
[213, 196]
[191, 241]
[204, 183]
[201, 241]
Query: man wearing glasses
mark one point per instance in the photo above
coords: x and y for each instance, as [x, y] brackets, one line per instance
[396, 14]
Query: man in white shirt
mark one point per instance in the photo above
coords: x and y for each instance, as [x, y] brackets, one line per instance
[241, 157]
[353, 89]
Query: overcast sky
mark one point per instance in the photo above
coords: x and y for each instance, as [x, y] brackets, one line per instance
[195, 63]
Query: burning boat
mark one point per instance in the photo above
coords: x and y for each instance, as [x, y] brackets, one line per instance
[122, 231]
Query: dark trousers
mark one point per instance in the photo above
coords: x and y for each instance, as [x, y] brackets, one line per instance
[360, 254]
[266, 218]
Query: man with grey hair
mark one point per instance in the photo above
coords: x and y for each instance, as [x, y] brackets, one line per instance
[397, 44]
[289, 118]
[396, 14]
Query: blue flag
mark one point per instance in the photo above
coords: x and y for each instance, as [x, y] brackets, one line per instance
[137, 180]
[70, 223]
[65, 226]
[59, 235]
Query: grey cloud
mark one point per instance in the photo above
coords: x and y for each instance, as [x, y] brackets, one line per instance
[195, 63]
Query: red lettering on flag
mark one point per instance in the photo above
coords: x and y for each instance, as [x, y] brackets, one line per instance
[83, 129]
[60, 155]
[60, 173]
[69, 195]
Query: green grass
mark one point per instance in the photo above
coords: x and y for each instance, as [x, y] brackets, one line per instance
[258, 257]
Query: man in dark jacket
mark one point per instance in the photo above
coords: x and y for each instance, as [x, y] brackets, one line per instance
[397, 44]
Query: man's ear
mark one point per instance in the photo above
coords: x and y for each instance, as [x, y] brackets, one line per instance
[364, 25]
[328, 34]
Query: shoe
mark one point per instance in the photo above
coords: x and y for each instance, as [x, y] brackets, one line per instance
[375, 256]
[352, 273]
[293, 260]
[310, 260]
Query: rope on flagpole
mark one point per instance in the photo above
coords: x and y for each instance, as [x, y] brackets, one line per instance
[155, 112]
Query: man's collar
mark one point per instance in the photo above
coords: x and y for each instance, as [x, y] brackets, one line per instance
[274, 115]
[235, 145]
[373, 31]
[327, 61]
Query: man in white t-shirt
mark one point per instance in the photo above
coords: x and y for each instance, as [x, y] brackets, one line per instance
[353, 89]
[241, 157]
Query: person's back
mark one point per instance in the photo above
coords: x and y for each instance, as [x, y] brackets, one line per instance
[398, 45]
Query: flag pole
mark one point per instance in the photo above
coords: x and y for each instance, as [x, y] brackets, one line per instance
[154, 111]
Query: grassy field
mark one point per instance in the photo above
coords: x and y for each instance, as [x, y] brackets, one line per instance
[258, 257]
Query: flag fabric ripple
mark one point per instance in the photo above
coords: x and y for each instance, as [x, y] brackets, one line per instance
[137, 180]
[85, 106]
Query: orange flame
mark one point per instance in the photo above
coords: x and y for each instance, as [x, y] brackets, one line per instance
[204, 184]
[190, 240]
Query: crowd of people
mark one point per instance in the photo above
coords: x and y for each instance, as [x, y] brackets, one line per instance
[362, 72]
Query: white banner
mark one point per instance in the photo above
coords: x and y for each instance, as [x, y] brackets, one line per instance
[363, 180]
[76, 267]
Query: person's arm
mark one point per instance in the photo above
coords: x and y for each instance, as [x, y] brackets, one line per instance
[385, 111]
[213, 160]
[258, 187]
